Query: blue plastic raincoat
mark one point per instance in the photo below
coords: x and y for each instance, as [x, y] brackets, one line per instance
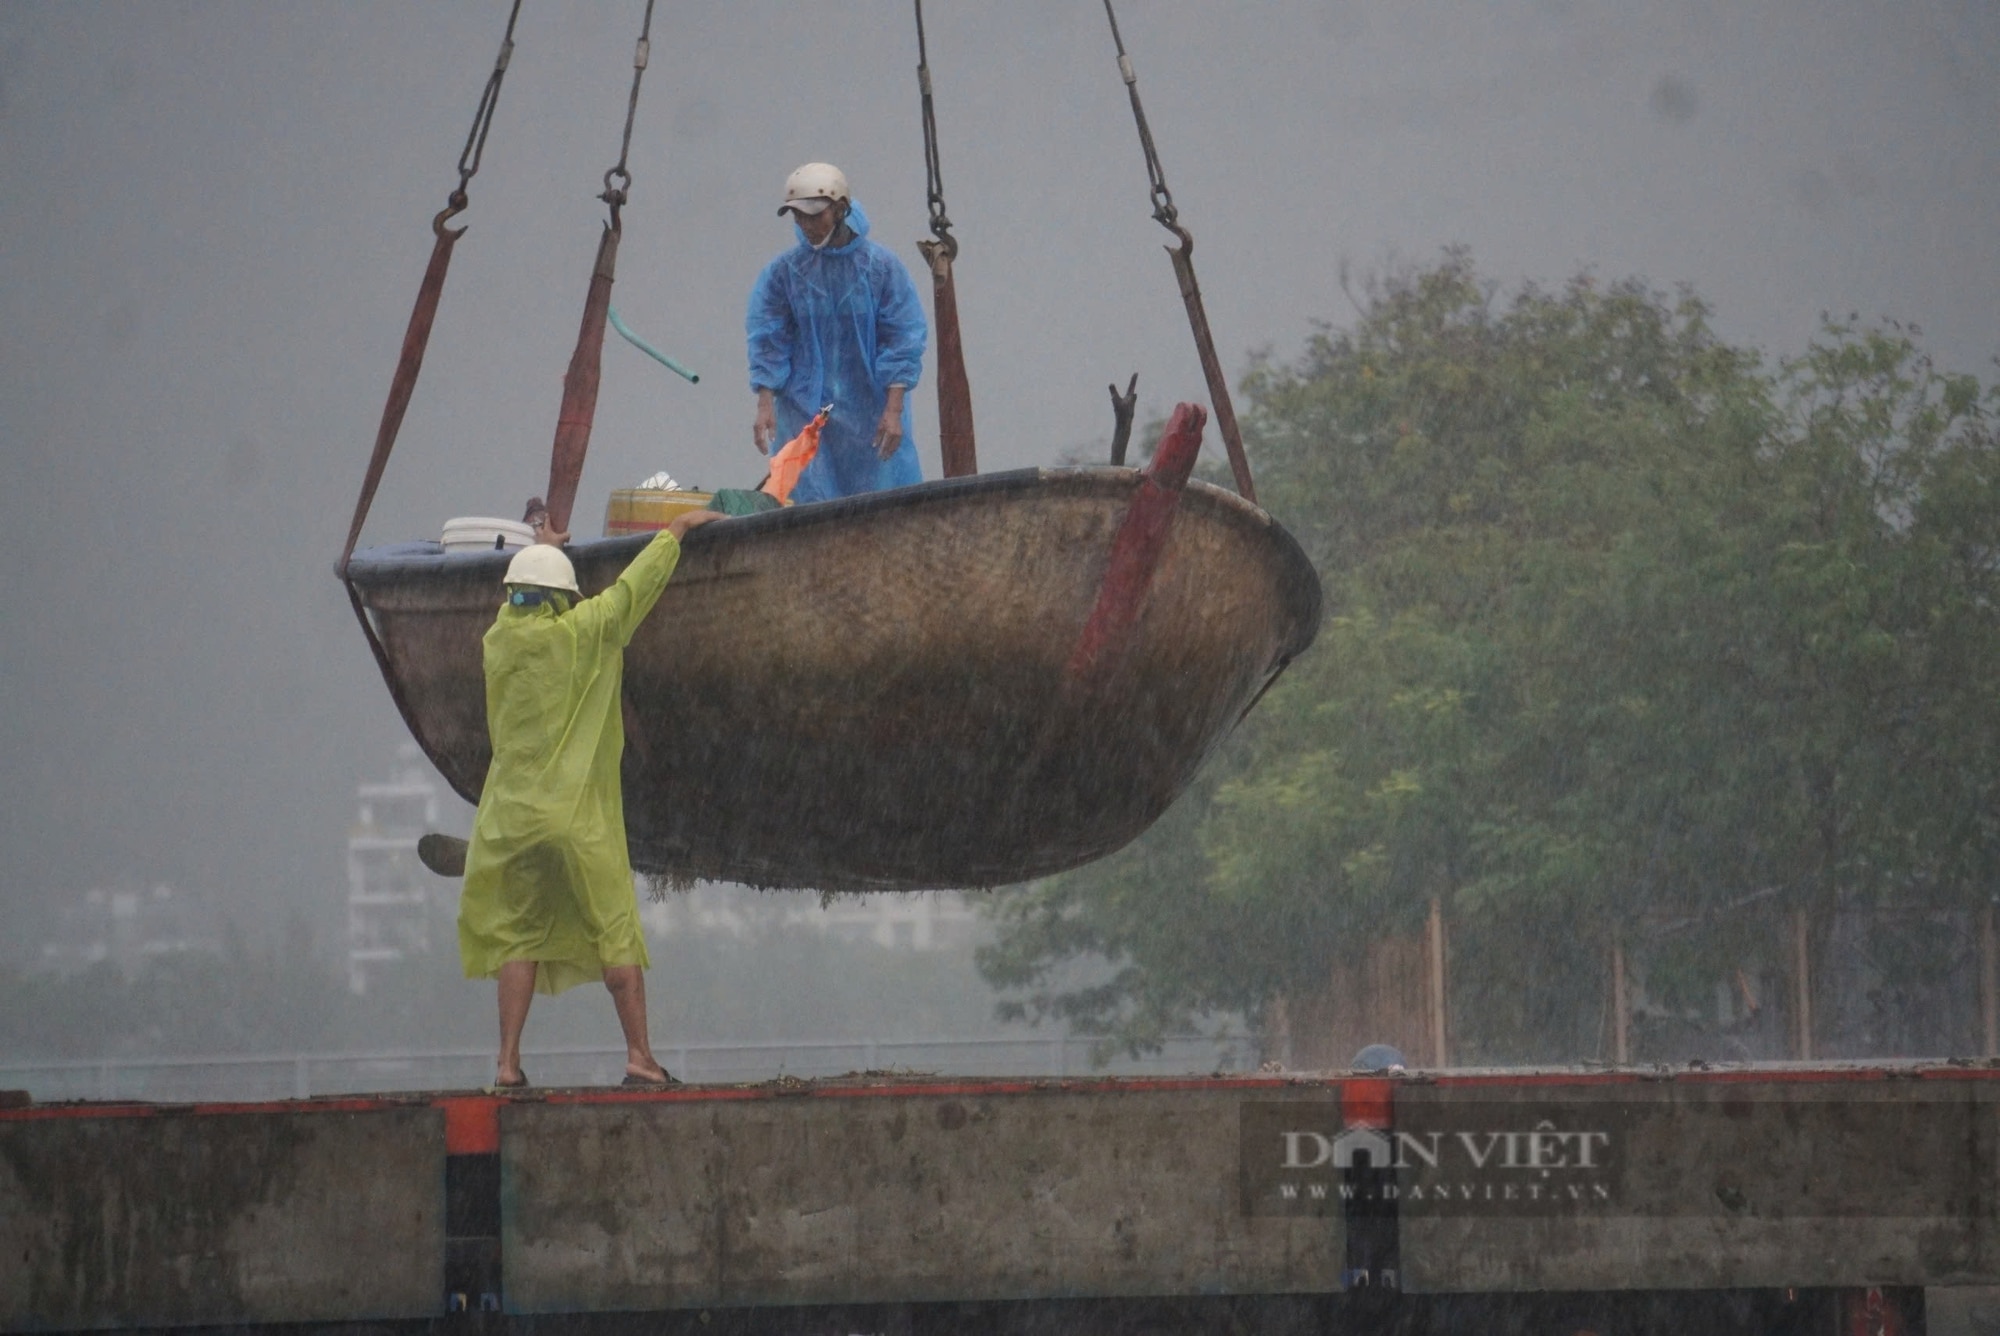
[547, 874]
[839, 326]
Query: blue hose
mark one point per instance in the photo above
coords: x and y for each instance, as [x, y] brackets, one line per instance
[693, 378]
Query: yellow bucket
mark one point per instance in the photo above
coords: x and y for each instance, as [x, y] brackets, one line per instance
[642, 510]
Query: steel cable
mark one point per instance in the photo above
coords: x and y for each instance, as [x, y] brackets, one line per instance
[482, 121]
[615, 195]
[933, 173]
[1156, 176]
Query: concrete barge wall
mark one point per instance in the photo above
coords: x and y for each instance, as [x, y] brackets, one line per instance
[862, 1193]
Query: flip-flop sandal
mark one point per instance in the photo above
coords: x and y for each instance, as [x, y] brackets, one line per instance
[667, 1078]
[521, 1084]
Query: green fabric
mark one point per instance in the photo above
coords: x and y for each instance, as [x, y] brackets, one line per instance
[742, 501]
[547, 875]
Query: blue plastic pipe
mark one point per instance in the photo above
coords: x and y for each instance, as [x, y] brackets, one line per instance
[693, 378]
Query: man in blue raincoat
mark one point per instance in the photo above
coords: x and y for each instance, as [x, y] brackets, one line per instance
[836, 320]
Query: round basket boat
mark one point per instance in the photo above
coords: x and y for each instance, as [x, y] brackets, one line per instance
[874, 694]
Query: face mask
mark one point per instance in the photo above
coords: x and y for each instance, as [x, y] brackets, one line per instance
[533, 598]
[822, 245]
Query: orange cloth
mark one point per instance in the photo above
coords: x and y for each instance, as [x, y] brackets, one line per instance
[790, 462]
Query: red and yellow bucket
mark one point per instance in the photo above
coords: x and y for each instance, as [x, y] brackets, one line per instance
[642, 510]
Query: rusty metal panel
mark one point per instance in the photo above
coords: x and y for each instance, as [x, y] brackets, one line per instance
[915, 1197]
[178, 1218]
[1698, 1185]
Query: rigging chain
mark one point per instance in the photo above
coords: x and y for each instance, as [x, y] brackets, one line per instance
[933, 176]
[614, 194]
[1164, 211]
[475, 138]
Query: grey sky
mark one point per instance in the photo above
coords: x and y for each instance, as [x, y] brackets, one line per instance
[213, 217]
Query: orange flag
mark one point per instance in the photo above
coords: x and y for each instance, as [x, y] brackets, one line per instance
[790, 462]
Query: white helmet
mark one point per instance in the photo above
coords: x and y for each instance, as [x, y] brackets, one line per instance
[812, 188]
[543, 565]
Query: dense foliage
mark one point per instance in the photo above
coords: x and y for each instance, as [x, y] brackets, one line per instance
[1621, 621]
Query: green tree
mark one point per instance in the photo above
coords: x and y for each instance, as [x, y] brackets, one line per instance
[1618, 620]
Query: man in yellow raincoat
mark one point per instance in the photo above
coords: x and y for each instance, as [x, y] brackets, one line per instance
[548, 900]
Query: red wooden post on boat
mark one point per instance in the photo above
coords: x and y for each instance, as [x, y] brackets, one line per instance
[1135, 552]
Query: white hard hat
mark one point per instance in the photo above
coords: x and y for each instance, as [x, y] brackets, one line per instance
[813, 187]
[543, 565]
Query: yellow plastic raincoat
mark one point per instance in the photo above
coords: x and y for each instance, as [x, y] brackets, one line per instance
[547, 875]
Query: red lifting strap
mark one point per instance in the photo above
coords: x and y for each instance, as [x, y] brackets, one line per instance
[415, 339]
[954, 389]
[579, 401]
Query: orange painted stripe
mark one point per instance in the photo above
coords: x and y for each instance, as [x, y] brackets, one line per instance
[35, 1112]
[1367, 1103]
[1368, 1098]
[1730, 1076]
[1048, 1085]
[347, 1104]
[621, 1095]
[472, 1124]
[139, 1109]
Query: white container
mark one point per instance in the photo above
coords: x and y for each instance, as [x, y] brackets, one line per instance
[483, 533]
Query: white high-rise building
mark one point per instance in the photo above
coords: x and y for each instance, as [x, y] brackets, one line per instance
[389, 891]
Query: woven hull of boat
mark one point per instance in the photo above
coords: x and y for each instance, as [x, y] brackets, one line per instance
[873, 694]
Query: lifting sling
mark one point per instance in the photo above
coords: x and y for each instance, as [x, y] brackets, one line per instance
[1168, 217]
[579, 401]
[418, 336]
[415, 339]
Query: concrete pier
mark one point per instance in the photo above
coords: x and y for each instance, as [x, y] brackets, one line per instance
[1302, 1198]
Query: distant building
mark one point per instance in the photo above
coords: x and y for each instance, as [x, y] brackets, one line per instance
[129, 929]
[920, 921]
[389, 892]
